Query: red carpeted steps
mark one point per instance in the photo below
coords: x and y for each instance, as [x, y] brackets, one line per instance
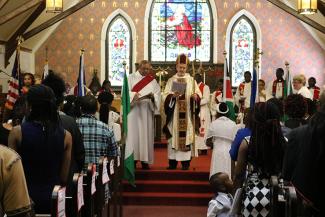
[168, 187]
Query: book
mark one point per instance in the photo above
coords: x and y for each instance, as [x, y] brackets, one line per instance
[179, 87]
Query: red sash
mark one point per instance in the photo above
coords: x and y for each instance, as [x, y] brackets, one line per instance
[316, 93]
[141, 84]
[275, 83]
[241, 88]
[201, 87]
[218, 93]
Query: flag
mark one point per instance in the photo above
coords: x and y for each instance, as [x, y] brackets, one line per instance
[14, 84]
[227, 93]
[254, 90]
[46, 70]
[288, 85]
[129, 158]
[81, 79]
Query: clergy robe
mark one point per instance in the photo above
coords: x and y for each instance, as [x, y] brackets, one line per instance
[223, 131]
[304, 92]
[174, 145]
[243, 91]
[216, 98]
[276, 89]
[205, 117]
[141, 118]
[315, 92]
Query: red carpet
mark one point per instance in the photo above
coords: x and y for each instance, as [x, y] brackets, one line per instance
[159, 186]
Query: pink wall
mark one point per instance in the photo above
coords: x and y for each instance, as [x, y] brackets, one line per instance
[283, 38]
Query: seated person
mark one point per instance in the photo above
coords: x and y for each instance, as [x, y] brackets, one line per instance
[221, 204]
[14, 198]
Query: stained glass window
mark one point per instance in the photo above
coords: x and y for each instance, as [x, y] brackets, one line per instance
[119, 50]
[180, 26]
[242, 47]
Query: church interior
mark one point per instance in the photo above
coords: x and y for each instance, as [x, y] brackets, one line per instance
[88, 42]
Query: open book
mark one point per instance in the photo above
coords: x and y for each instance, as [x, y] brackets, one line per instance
[179, 87]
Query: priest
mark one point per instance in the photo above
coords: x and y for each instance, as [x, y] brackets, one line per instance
[181, 100]
[145, 101]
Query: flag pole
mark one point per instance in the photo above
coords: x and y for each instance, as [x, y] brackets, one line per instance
[193, 115]
[288, 79]
[224, 90]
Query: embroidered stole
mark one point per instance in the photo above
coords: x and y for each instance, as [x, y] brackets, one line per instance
[182, 120]
[275, 84]
[316, 92]
[142, 83]
[201, 87]
[241, 89]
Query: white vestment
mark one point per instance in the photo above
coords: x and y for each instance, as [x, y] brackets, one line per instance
[173, 152]
[215, 100]
[141, 119]
[304, 92]
[245, 94]
[223, 131]
[205, 119]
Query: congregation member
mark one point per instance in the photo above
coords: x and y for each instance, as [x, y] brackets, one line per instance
[180, 93]
[243, 92]
[28, 80]
[314, 90]
[216, 98]
[56, 83]
[145, 98]
[295, 108]
[106, 87]
[97, 137]
[298, 83]
[44, 146]
[219, 137]
[263, 152]
[307, 143]
[205, 117]
[277, 87]
[261, 90]
[14, 197]
[222, 187]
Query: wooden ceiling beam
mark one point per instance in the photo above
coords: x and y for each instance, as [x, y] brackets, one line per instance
[19, 10]
[321, 6]
[294, 13]
[12, 42]
[3, 3]
[56, 19]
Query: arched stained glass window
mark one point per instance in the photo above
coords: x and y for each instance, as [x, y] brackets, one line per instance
[118, 42]
[242, 49]
[180, 26]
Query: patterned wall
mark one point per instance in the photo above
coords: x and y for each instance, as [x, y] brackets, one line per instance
[283, 38]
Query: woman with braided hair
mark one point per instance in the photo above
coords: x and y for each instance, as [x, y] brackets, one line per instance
[263, 151]
[44, 146]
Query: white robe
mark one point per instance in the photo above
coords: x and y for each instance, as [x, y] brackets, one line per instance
[304, 92]
[141, 119]
[214, 104]
[223, 131]
[246, 94]
[173, 153]
[205, 119]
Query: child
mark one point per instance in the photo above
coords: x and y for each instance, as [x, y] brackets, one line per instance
[221, 204]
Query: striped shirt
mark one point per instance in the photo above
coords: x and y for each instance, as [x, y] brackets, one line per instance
[98, 139]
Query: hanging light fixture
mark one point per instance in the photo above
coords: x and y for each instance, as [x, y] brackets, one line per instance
[307, 6]
[54, 6]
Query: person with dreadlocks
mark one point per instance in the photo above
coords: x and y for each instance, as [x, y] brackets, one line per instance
[264, 152]
[304, 161]
[44, 146]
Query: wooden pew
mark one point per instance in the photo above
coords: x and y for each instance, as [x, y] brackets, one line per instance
[75, 202]
[291, 202]
[274, 194]
[89, 191]
[57, 203]
[102, 188]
